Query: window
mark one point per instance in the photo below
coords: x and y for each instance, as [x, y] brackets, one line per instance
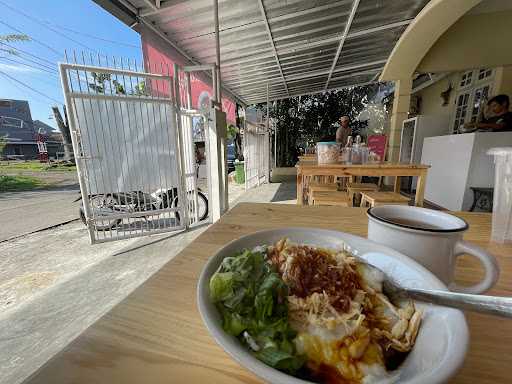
[461, 110]
[480, 97]
[484, 73]
[475, 87]
[465, 79]
[11, 122]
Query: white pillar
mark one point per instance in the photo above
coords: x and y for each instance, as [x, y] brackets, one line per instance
[400, 112]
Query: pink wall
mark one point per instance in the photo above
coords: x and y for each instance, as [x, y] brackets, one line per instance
[160, 57]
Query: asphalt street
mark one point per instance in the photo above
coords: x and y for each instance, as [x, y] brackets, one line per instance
[27, 212]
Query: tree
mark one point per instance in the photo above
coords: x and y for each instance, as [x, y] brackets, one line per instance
[103, 83]
[307, 119]
[63, 125]
[102, 80]
[12, 38]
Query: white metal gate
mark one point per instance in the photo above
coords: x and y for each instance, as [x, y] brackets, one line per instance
[256, 155]
[126, 128]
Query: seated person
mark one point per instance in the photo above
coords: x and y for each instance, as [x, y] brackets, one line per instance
[501, 119]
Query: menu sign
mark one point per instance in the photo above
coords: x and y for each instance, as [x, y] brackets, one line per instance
[377, 144]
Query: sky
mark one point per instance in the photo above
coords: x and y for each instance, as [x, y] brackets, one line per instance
[55, 26]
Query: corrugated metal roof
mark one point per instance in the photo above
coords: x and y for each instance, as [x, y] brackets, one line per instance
[319, 44]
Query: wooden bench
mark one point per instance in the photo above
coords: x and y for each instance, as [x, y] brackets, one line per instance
[354, 189]
[374, 199]
[338, 198]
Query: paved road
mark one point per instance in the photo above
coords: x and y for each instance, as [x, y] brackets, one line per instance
[26, 212]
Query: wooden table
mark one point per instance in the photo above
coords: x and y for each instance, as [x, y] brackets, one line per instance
[157, 336]
[308, 167]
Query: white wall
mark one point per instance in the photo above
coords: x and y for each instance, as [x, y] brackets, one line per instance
[459, 162]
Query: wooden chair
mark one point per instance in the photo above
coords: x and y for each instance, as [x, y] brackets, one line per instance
[315, 186]
[355, 189]
[374, 199]
[338, 198]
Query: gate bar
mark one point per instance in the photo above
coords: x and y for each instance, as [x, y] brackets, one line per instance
[73, 131]
[92, 68]
[142, 99]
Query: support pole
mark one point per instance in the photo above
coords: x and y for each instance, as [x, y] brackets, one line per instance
[180, 147]
[267, 137]
[217, 51]
[275, 140]
[190, 136]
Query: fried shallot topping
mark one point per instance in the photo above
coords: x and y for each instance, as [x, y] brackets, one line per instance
[309, 270]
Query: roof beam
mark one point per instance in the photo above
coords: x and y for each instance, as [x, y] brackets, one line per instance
[341, 69]
[303, 45]
[163, 5]
[374, 78]
[342, 40]
[130, 6]
[187, 56]
[267, 26]
[151, 4]
[256, 100]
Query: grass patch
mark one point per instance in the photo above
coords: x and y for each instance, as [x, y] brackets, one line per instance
[19, 183]
[35, 166]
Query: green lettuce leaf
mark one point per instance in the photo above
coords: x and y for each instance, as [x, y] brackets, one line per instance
[221, 286]
[252, 299]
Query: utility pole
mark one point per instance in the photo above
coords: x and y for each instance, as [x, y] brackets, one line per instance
[63, 125]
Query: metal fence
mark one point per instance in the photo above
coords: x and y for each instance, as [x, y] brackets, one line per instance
[133, 146]
[256, 155]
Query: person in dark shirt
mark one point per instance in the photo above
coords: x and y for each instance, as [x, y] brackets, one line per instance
[501, 121]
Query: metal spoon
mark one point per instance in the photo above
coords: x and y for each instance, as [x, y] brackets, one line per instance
[493, 305]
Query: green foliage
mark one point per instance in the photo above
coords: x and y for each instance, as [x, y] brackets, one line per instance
[12, 38]
[305, 119]
[232, 130]
[103, 83]
[140, 89]
[3, 144]
[19, 183]
[34, 166]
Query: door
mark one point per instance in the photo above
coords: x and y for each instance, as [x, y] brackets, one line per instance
[124, 125]
[461, 110]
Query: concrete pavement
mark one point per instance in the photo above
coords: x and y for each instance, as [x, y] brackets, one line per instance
[54, 284]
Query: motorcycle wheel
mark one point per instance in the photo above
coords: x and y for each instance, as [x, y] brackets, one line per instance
[103, 204]
[202, 202]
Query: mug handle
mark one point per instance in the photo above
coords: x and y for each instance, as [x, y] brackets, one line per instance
[492, 270]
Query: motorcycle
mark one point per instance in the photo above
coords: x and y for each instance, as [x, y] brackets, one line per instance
[105, 205]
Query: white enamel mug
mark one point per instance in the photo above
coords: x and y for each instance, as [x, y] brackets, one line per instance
[435, 244]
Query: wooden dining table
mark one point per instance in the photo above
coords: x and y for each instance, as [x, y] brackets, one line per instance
[308, 167]
[156, 334]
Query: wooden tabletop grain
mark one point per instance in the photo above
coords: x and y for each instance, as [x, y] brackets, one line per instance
[157, 336]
